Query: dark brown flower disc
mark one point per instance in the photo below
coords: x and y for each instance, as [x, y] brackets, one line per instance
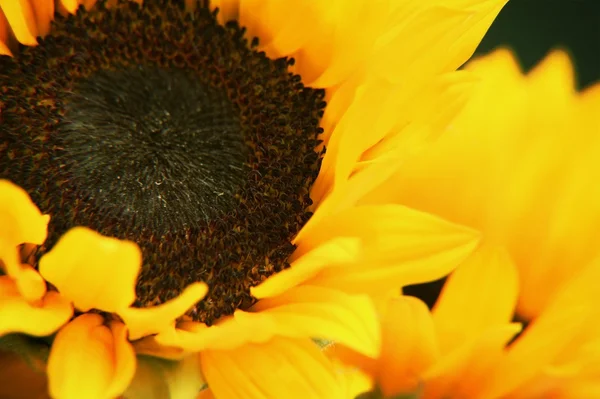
[160, 126]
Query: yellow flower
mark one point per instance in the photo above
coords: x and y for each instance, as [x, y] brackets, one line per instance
[230, 251]
[517, 163]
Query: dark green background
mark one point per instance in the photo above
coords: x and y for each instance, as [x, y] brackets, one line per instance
[533, 27]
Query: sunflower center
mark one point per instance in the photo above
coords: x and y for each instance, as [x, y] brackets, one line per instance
[154, 146]
[163, 127]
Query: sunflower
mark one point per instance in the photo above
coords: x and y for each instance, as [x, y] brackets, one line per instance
[182, 181]
[518, 164]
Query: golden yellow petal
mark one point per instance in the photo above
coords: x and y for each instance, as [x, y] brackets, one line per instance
[70, 5]
[565, 327]
[4, 35]
[44, 14]
[21, 18]
[324, 313]
[480, 294]
[335, 253]
[409, 346]
[431, 37]
[226, 334]
[153, 320]
[30, 284]
[93, 271]
[148, 346]
[20, 222]
[279, 368]
[401, 247]
[41, 318]
[300, 312]
[462, 373]
[89, 360]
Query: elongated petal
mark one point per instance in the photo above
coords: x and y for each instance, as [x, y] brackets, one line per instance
[44, 13]
[338, 251]
[300, 312]
[146, 321]
[148, 346]
[480, 294]
[569, 321]
[94, 271]
[461, 373]
[4, 35]
[409, 346]
[401, 247]
[429, 37]
[21, 19]
[89, 360]
[279, 368]
[324, 313]
[41, 318]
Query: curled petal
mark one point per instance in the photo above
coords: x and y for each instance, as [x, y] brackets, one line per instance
[94, 271]
[278, 368]
[401, 246]
[103, 354]
[480, 294]
[30, 284]
[44, 14]
[21, 19]
[41, 318]
[148, 346]
[301, 312]
[336, 252]
[146, 321]
[20, 222]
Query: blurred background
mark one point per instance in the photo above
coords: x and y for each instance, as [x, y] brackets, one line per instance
[533, 27]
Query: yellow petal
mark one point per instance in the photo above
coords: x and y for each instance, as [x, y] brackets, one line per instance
[409, 346]
[279, 368]
[44, 14]
[93, 271]
[461, 373]
[70, 5]
[30, 284]
[4, 35]
[401, 247]
[21, 19]
[20, 222]
[567, 323]
[39, 319]
[102, 353]
[334, 253]
[540, 344]
[148, 346]
[430, 37]
[324, 313]
[481, 293]
[300, 312]
[146, 321]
